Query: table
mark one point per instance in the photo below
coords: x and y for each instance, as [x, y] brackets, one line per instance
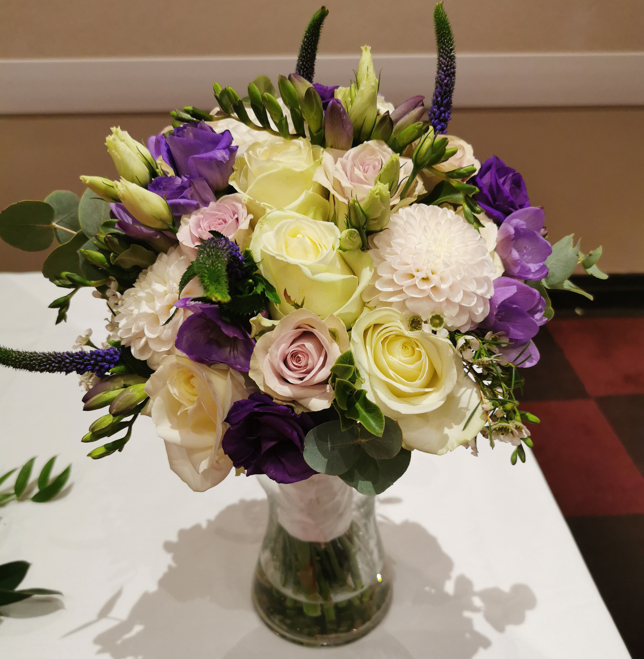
[485, 565]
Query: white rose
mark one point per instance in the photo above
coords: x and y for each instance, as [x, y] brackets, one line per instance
[188, 405]
[278, 174]
[301, 258]
[464, 156]
[417, 379]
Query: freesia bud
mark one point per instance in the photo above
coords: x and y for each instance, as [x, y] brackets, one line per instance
[390, 173]
[95, 258]
[147, 207]
[423, 151]
[350, 240]
[112, 382]
[408, 113]
[102, 187]
[132, 160]
[409, 135]
[312, 110]
[103, 399]
[287, 92]
[383, 129]
[377, 208]
[301, 85]
[338, 129]
[128, 400]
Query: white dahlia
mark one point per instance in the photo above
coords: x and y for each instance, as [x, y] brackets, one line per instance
[430, 261]
[146, 306]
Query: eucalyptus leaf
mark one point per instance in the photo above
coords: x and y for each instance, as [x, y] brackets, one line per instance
[65, 205]
[573, 288]
[596, 272]
[4, 477]
[370, 476]
[135, 256]
[548, 312]
[329, 450]
[65, 258]
[92, 212]
[23, 478]
[369, 414]
[54, 488]
[592, 258]
[561, 263]
[43, 478]
[27, 225]
[386, 446]
[12, 574]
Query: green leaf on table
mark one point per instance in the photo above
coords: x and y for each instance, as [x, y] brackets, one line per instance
[561, 263]
[23, 478]
[54, 488]
[385, 446]
[4, 477]
[65, 205]
[45, 473]
[330, 450]
[370, 476]
[92, 212]
[27, 225]
[12, 574]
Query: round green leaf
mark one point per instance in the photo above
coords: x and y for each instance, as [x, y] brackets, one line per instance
[27, 225]
[370, 476]
[92, 212]
[65, 205]
[385, 447]
[65, 258]
[329, 450]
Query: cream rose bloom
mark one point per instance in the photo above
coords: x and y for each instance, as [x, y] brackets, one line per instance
[417, 379]
[188, 405]
[292, 363]
[301, 258]
[279, 174]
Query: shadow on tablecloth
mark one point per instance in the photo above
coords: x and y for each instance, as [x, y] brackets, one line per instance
[202, 605]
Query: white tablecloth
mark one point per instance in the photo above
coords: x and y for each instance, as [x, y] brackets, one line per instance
[484, 563]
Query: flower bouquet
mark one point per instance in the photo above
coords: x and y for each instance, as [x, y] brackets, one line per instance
[306, 284]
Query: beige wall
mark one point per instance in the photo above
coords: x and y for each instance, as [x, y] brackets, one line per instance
[584, 166]
[126, 28]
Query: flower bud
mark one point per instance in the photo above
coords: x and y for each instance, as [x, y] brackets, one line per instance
[96, 259]
[112, 382]
[128, 399]
[103, 423]
[423, 151]
[364, 108]
[350, 240]
[132, 160]
[357, 216]
[148, 208]
[102, 187]
[338, 129]
[377, 208]
[409, 135]
[301, 85]
[383, 129]
[312, 110]
[408, 113]
[273, 107]
[390, 173]
[287, 92]
[103, 399]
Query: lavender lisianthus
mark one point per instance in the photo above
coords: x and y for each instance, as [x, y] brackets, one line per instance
[521, 246]
[267, 438]
[326, 92]
[161, 241]
[517, 311]
[205, 337]
[197, 151]
[502, 189]
[182, 193]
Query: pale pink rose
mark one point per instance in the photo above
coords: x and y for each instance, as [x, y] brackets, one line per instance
[292, 363]
[228, 215]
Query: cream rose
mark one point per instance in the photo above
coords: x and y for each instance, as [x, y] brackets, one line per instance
[188, 405]
[292, 363]
[301, 258]
[278, 174]
[464, 156]
[228, 215]
[417, 379]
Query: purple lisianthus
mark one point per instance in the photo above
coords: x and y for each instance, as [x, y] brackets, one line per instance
[206, 338]
[267, 438]
[183, 194]
[517, 311]
[521, 246]
[161, 241]
[501, 189]
[197, 151]
[326, 92]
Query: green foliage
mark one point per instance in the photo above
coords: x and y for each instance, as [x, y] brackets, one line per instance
[309, 48]
[28, 225]
[47, 489]
[11, 576]
[456, 194]
[370, 476]
[548, 312]
[65, 258]
[135, 256]
[65, 205]
[92, 212]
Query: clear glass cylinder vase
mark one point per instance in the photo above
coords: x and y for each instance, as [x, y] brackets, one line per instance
[322, 577]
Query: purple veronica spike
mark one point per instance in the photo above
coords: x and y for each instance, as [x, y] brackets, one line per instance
[441, 110]
[98, 362]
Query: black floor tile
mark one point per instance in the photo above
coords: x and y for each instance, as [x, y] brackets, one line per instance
[623, 412]
[613, 548]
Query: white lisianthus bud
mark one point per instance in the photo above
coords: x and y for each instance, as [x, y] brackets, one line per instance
[376, 207]
[148, 208]
[364, 108]
[132, 160]
[102, 187]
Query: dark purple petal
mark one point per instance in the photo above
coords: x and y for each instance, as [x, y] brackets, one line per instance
[501, 189]
[326, 92]
[183, 194]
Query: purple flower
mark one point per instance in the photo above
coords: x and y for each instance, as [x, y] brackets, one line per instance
[161, 241]
[521, 246]
[326, 92]
[517, 311]
[501, 189]
[195, 150]
[267, 438]
[183, 194]
[208, 339]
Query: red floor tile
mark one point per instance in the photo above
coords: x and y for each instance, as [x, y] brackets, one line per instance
[583, 460]
[606, 353]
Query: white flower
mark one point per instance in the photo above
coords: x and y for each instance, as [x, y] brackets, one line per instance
[417, 379]
[464, 156]
[430, 261]
[82, 340]
[488, 232]
[188, 405]
[144, 309]
[384, 105]
[468, 346]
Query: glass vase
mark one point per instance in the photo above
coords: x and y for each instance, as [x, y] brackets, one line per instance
[322, 577]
